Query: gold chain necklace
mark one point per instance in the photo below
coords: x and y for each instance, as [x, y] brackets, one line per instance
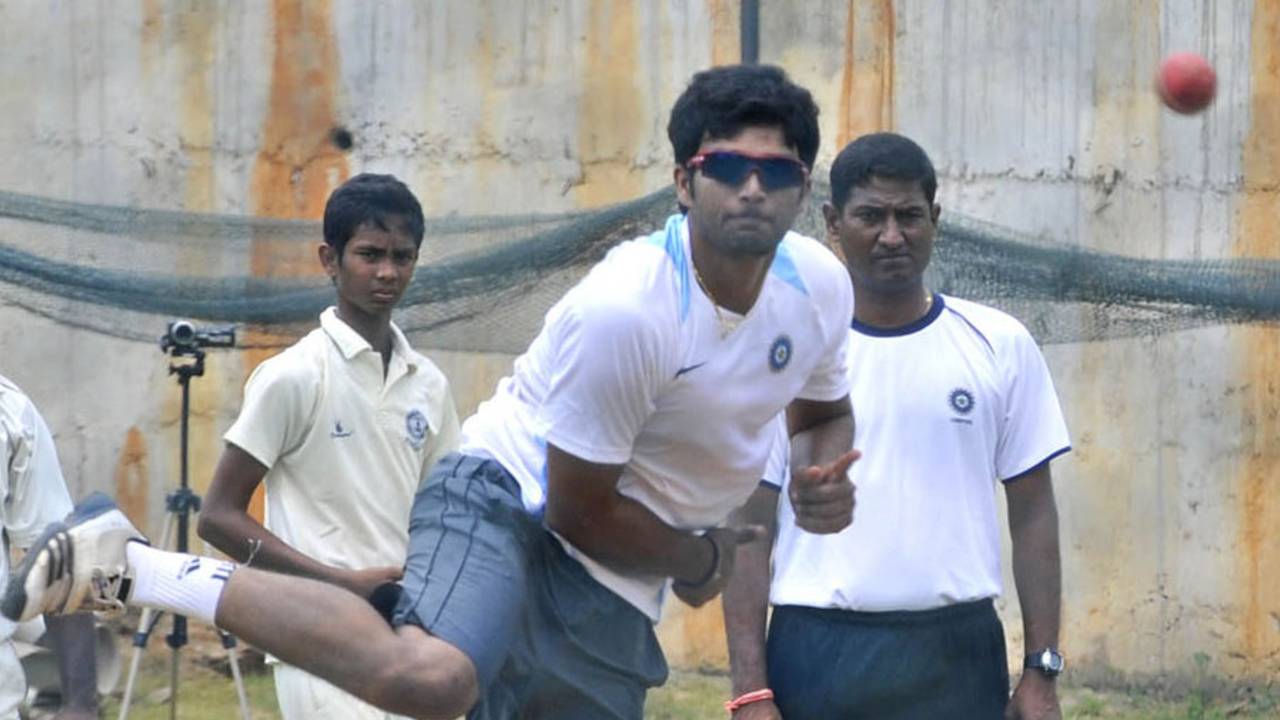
[725, 326]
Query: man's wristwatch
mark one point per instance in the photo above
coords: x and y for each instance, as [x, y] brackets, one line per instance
[1047, 661]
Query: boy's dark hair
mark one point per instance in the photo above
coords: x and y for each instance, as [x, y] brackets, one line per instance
[720, 102]
[370, 198]
[884, 155]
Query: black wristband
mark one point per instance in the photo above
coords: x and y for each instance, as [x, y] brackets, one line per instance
[711, 571]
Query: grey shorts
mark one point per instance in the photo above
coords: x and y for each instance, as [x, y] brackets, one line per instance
[547, 640]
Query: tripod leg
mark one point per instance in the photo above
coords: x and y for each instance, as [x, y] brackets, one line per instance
[229, 642]
[173, 682]
[150, 619]
[146, 624]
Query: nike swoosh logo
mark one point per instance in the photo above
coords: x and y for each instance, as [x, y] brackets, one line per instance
[691, 368]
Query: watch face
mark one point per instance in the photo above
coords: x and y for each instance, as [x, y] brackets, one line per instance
[1047, 661]
[1051, 661]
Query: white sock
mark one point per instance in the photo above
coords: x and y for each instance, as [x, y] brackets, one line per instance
[178, 583]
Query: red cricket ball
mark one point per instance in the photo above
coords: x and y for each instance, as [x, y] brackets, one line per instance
[1186, 83]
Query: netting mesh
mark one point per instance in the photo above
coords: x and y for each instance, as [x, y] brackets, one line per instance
[484, 283]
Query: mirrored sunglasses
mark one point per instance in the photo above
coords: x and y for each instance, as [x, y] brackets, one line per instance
[731, 168]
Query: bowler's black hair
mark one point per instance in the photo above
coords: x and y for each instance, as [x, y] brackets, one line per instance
[721, 102]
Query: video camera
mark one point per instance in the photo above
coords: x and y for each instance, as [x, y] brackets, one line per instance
[184, 338]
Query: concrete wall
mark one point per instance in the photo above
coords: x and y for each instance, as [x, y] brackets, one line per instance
[1038, 114]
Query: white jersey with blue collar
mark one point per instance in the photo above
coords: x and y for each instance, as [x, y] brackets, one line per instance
[946, 407]
[631, 368]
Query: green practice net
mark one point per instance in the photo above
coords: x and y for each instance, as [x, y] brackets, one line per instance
[484, 283]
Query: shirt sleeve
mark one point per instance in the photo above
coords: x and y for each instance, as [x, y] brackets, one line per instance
[37, 491]
[1034, 430]
[604, 380]
[279, 403]
[778, 468]
[830, 377]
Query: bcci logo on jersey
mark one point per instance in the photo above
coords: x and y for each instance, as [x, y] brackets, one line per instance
[415, 424]
[961, 401]
[780, 353]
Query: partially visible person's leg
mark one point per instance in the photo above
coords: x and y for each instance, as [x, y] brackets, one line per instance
[13, 684]
[75, 641]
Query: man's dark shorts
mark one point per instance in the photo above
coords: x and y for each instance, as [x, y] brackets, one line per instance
[547, 640]
[944, 663]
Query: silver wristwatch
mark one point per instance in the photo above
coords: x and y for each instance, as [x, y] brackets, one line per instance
[1047, 661]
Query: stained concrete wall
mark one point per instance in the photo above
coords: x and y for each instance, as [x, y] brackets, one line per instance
[1039, 116]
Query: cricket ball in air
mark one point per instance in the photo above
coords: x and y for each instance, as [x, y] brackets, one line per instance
[1186, 83]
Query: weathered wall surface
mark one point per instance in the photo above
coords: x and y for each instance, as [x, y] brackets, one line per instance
[1039, 116]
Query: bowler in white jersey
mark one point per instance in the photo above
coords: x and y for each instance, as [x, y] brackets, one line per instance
[599, 476]
[892, 618]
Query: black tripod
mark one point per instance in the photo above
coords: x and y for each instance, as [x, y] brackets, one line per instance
[179, 505]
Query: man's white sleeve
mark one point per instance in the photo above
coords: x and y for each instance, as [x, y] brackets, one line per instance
[604, 381]
[37, 491]
[276, 415]
[778, 468]
[1034, 429]
[830, 378]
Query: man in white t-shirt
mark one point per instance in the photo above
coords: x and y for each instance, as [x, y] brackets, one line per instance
[599, 474]
[893, 616]
[33, 494]
[340, 428]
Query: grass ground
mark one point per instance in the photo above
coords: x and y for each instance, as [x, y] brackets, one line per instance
[206, 693]
[693, 696]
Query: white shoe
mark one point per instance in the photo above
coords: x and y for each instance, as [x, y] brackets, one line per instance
[76, 564]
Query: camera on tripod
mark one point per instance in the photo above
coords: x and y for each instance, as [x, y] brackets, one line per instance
[184, 338]
[185, 343]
